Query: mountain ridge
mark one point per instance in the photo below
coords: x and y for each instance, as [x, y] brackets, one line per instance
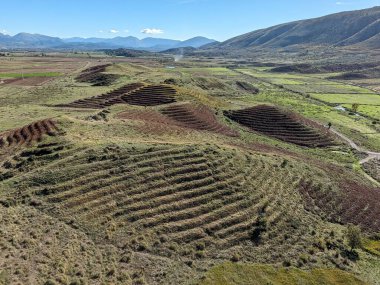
[27, 40]
[351, 28]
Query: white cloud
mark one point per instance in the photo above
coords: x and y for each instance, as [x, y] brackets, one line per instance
[113, 31]
[152, 31]
[4, 31]
[126, 31]
[101, 31]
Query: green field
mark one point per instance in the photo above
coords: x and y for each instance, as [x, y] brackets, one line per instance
[361, 99]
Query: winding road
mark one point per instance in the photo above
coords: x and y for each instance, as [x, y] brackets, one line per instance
[370, 154]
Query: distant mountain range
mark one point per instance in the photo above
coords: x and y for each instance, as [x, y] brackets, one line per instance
[355, 29]
[346, 29]
[26, 40]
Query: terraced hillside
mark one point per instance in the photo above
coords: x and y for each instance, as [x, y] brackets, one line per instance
[26, 159]
[151, 95]
[273, 122]
[180, 118]
[174, 194]
[198, 117]
[104, 100]
[28, 134]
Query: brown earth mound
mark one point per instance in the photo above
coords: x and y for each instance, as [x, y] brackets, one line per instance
[153, 121]
[96, 77]
[28, 134]
[104, 100]
[178, 118]
[356, 203]
[273, 122]
[151, 96]
[198, 117]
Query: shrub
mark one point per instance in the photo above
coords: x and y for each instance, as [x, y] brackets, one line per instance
[260, 227]
[284, 163]
[353, 235]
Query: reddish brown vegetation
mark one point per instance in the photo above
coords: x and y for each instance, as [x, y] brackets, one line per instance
[151, 96]
[104, 100]
[178, 117]
[354, 203]
[197, 117]
[154, 121]
[28, 134]
[273, 122]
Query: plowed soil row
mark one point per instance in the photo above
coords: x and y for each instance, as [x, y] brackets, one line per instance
[180, 194]
[152, 95]
[355, 203]
[28, 134]
[104, 100]
[179, 117]
[198, 117]
[273, 122]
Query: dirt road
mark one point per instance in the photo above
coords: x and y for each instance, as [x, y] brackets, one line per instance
[370, 154]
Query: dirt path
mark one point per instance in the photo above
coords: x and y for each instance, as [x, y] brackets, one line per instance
[79, 69]
[370, 154]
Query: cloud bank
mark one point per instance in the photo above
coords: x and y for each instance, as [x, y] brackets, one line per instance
[152, 31]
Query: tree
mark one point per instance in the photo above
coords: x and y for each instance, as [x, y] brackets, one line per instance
[353, 235]
[355, 107]
[329, 125]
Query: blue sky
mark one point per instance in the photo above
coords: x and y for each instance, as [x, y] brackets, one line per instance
[175, 19]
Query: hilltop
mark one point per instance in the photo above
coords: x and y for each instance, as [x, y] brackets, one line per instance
[354, 29]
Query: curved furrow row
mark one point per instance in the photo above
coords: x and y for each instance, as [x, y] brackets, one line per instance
[107, 170]
[272, 121]
[196, 117]
[102, 196]
[182, 193]
[148, 191]
[104, 100]
[28, 134]
[151, 96]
